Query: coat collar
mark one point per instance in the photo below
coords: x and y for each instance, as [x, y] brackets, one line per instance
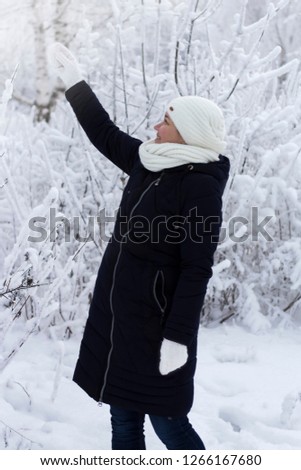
[219, 169]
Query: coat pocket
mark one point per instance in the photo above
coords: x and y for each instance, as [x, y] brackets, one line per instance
[158, 291]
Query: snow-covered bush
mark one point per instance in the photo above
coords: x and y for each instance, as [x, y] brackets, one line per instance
[162, 49]
[137, 56]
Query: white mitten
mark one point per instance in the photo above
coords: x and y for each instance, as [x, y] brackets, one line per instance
[64, 64]
[172, 356]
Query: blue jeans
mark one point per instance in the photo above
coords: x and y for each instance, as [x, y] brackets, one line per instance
[175, 433]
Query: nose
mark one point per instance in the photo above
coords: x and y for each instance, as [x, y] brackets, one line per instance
[156, 127]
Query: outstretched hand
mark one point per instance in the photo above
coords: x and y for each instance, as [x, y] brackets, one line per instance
[64, 64]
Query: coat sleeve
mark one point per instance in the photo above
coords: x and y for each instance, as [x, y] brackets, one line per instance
[201, 215]
[116, 145]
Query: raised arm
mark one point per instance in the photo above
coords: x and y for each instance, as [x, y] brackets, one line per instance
[115, 144]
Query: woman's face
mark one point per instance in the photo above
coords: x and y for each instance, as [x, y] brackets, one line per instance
[167, 132]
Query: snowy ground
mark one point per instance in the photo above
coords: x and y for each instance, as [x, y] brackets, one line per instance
[247, 395]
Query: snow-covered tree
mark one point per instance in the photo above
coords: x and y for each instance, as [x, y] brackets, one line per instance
[137, 55]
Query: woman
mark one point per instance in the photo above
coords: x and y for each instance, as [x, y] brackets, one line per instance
[138, 352]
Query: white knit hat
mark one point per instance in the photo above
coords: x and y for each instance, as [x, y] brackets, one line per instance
[199, 121]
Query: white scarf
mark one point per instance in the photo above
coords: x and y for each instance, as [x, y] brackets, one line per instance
[156, 157]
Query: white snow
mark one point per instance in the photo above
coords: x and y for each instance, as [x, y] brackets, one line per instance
[247, 394]
[248, 381]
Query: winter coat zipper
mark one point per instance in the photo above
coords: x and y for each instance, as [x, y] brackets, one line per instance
[156, 183]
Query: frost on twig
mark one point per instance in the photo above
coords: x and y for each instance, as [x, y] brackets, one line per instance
[15, 440]
[6, 96]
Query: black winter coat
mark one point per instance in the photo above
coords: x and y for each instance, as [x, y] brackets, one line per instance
[153, 275]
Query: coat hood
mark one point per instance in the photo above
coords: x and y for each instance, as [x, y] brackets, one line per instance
[219, 170]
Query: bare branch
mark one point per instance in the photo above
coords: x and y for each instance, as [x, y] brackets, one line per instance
[21, 435]
[3, 294]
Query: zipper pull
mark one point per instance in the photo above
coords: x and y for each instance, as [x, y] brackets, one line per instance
[159, 179]
[99, 404]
